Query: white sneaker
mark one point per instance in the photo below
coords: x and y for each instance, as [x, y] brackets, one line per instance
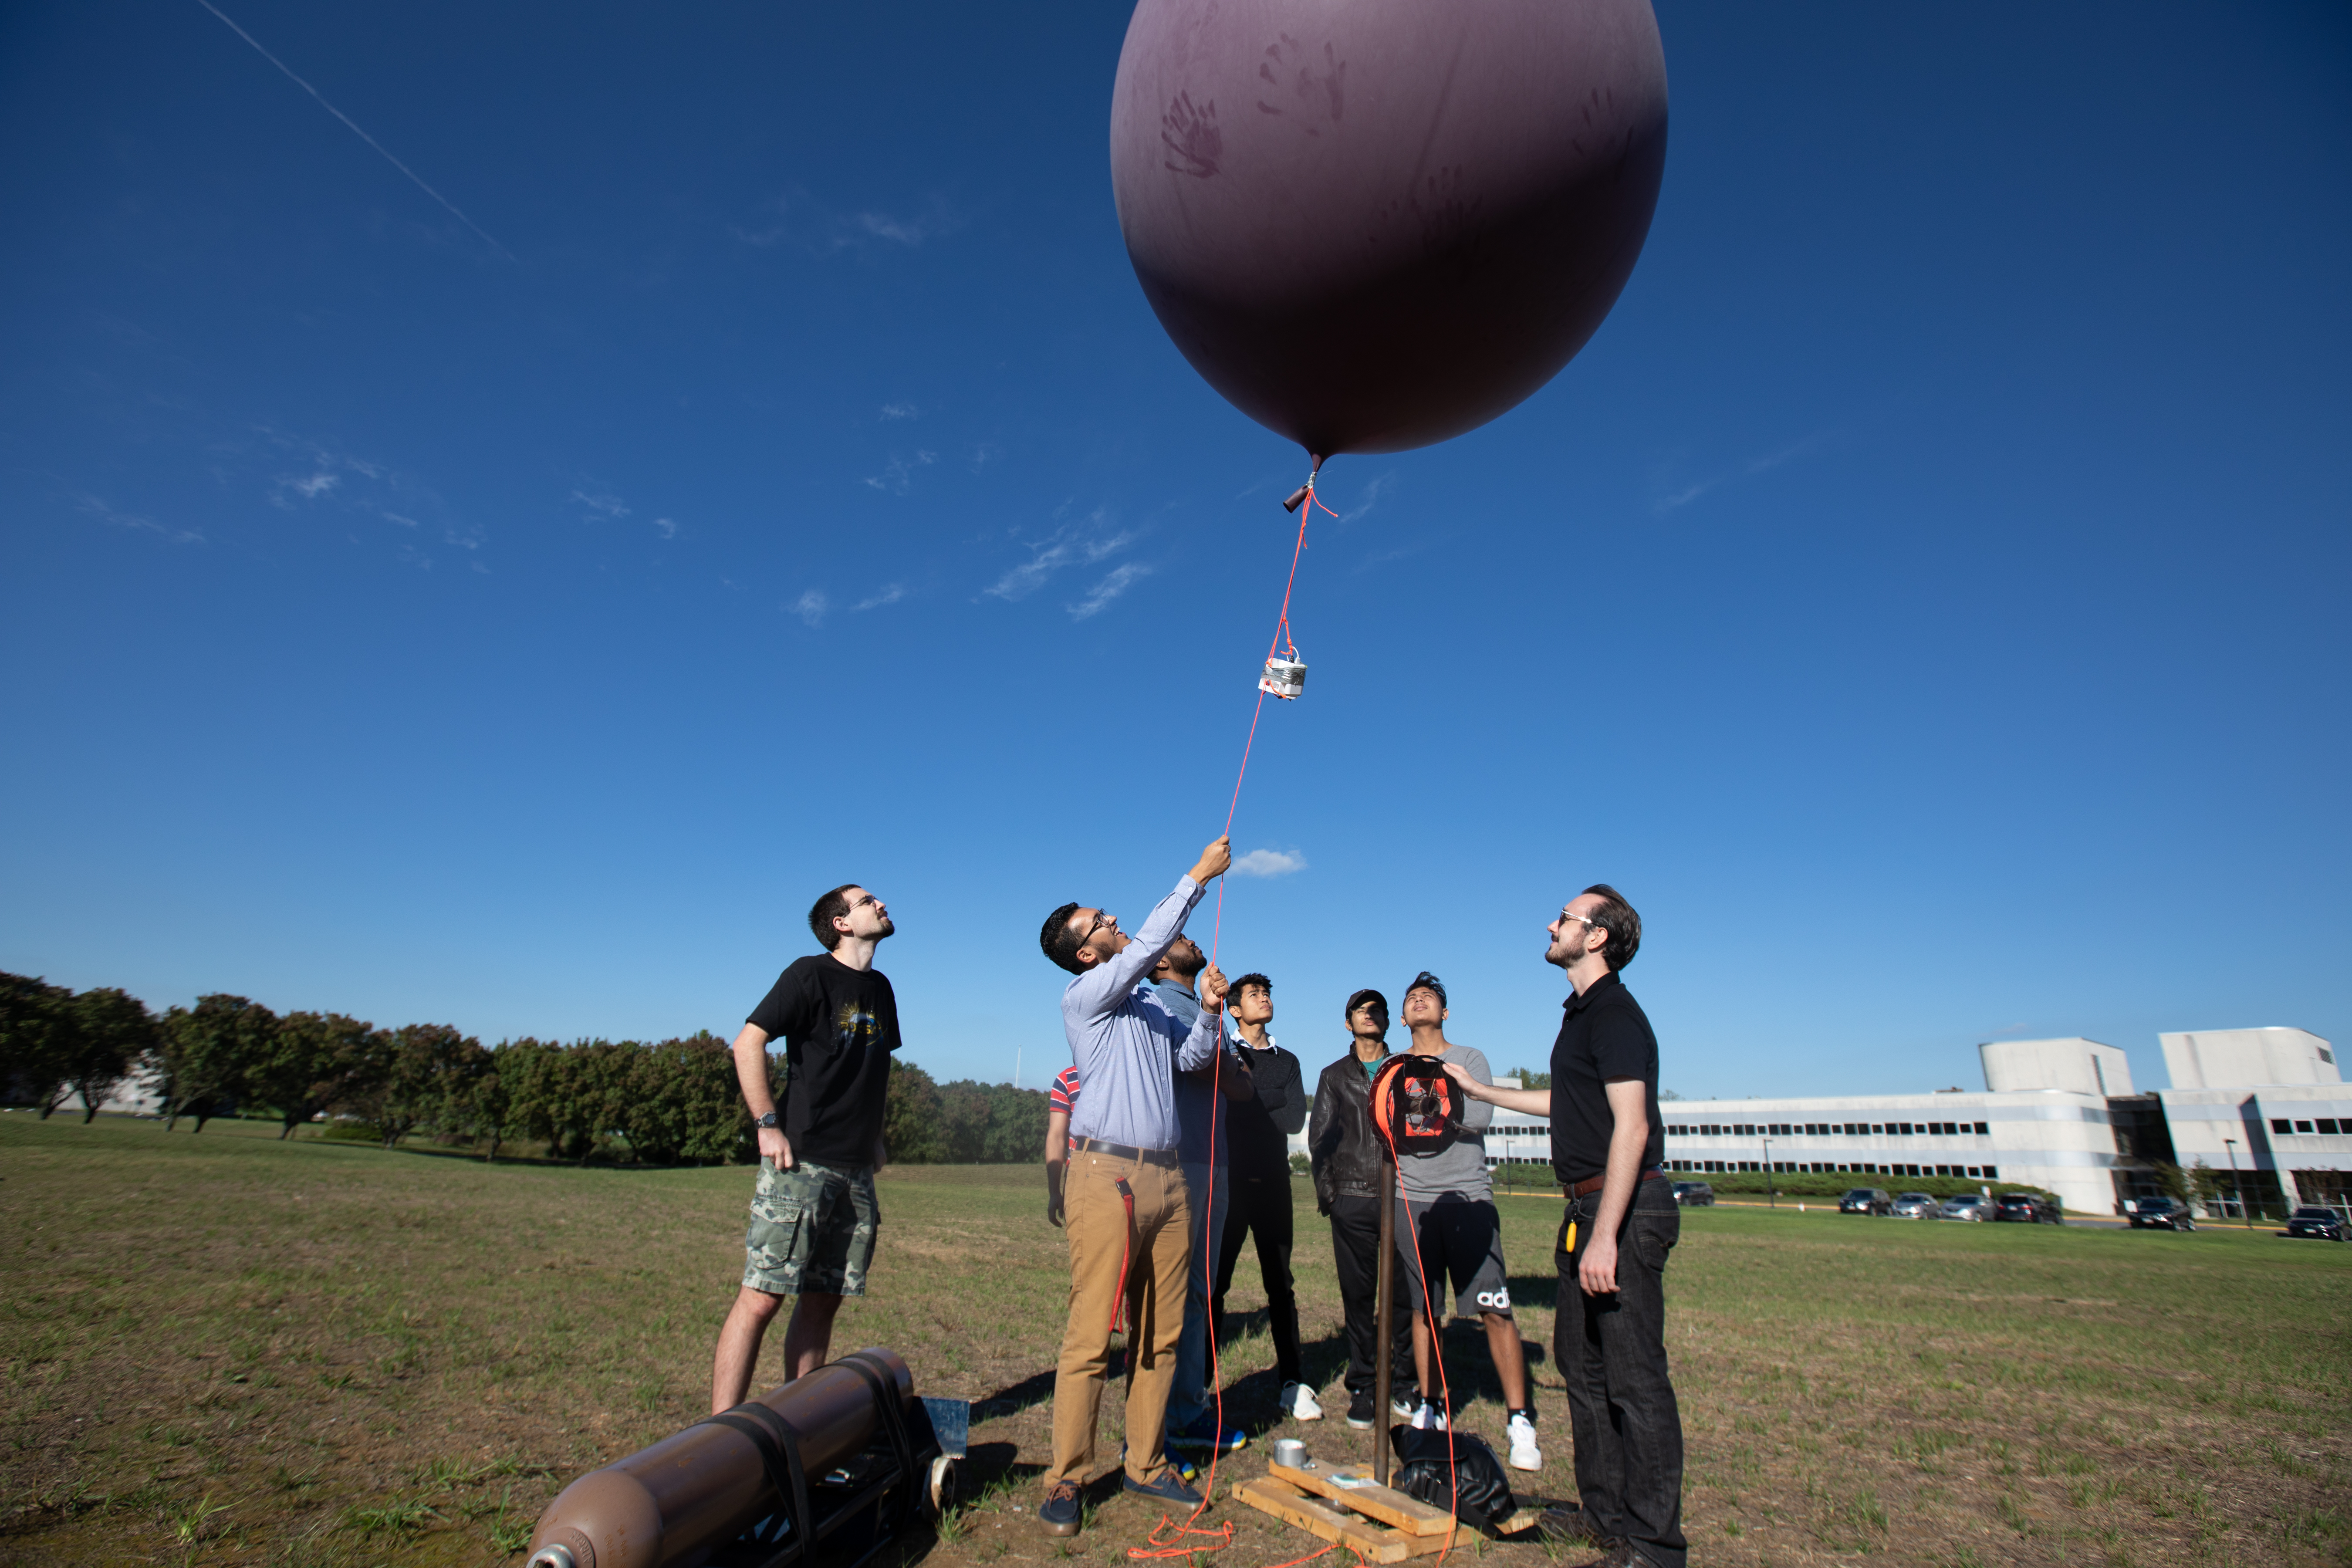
[1299, 1403]
[1525, 1455]
[1428, 1418]
[1404, 1408]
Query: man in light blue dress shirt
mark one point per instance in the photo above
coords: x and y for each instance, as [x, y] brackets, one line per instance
[1125, 1210]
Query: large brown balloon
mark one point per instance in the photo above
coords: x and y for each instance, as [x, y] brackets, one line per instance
[1377, 223]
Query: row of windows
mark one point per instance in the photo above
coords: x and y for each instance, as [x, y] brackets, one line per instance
[1841, 1129]
[1982, 1172]
[2327, 1124]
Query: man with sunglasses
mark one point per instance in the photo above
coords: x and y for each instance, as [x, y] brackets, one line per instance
[1125, 1208]
[813, 1215]
[1608, 1149]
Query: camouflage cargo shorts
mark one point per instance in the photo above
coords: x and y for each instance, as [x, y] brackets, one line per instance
[811, 1230]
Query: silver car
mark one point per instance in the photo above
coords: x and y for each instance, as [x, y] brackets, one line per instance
[1969, 1205]
[1913, 1206]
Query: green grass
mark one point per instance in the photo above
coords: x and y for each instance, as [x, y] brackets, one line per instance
[226, 1349]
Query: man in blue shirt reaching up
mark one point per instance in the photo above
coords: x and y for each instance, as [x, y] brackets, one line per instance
[1125, 1208]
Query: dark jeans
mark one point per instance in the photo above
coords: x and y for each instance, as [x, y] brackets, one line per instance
[1261, 1206]
[1612, 1352]
[1356, 1247]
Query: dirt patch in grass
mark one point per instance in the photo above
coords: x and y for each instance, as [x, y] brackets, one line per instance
[225, 1348]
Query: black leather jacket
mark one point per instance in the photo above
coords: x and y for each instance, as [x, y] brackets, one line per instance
[1340, 1142]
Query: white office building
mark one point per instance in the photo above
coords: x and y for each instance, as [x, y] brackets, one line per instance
[2265, 1109]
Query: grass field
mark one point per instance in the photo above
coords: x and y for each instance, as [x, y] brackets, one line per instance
[225, 1348]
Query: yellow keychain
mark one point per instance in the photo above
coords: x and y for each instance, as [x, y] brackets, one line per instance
[1571, 1236]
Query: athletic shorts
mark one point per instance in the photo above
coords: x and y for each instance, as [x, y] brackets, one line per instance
[811, 1230]
[1461, 1240]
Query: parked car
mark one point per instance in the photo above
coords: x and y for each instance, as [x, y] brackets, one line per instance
[1694, 1194]
[1967, 1206]
[1867, 1200]
[2028, 1208]
[1913, 1206]
[2170, 1214]
[2312, 1220]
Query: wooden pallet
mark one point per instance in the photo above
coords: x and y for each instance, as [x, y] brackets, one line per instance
[1309, 1512]
[1344, 1504]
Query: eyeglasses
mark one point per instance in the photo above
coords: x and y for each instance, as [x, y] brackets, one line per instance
[868, 898]
[1572, 915]
[1100, 921]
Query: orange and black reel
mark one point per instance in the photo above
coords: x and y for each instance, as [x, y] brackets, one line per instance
[1415, 1106]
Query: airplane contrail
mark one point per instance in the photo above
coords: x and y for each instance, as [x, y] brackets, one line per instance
[362, 135]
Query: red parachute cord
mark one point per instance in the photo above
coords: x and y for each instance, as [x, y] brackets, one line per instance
[1224, 1534]
[1436, 1346]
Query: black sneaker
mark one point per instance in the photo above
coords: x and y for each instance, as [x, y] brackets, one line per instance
[1361, 1411]
[1059, 1512]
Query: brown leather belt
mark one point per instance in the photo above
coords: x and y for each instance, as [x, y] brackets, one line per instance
[1586, 1189]
[1166, 1157]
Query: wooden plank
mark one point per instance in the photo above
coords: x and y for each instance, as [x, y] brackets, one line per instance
[1358, 1490]
[1312, 1514]
[1518, 1520]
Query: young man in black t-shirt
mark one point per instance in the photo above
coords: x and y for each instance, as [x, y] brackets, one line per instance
[813, 1216]
[1608, 1149]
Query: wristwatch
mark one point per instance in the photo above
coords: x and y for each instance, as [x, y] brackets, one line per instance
[769, 1120]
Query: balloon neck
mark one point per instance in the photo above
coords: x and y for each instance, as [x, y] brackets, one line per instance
[1298, 497]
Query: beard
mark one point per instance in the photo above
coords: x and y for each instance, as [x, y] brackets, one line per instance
[887, 928]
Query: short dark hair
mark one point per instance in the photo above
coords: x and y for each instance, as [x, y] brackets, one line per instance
[1253, 978]
[1060, 942]
[829, 908]
[1616, 917]
[1425, 980]
[1367, 997]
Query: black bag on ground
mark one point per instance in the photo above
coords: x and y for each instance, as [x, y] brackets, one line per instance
[1476, 1488]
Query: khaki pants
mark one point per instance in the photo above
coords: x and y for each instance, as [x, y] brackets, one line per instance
[1157, 1252]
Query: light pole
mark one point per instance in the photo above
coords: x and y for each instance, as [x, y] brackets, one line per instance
[1771, 1187]
[2243, 1213]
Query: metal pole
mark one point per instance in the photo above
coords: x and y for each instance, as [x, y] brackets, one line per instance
[1387, 1322]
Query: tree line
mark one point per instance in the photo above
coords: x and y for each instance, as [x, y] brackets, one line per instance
[664, 1102]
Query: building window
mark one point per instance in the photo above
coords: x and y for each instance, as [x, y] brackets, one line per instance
[1903, 1129]
[1876, 1131]
[2302, 1127]
[1983, 1131]
[1993, 1173]
[2281, 1124]
[2327, 1126]
[1972, 1169]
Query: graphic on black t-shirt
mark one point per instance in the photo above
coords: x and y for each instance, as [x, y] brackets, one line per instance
[839, 1027]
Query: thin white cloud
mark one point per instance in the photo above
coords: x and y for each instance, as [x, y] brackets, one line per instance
[1383, 487]
[888, 593]
[362, 135]
[811, 608]
[795, 220]
[897, 475]
[984, 453]
[666, 527]
[1109, 588]
[91, 506]
[1073, 545]
[311, 488]
[901, 411]
[1269, 863]
[603, 504]
[1674, 501]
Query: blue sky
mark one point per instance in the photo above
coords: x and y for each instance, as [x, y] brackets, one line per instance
[1924, 597]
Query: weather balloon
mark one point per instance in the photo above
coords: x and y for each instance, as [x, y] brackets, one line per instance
[1373, 225]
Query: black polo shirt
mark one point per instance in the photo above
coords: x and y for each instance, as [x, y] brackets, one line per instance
[1604, 1035]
